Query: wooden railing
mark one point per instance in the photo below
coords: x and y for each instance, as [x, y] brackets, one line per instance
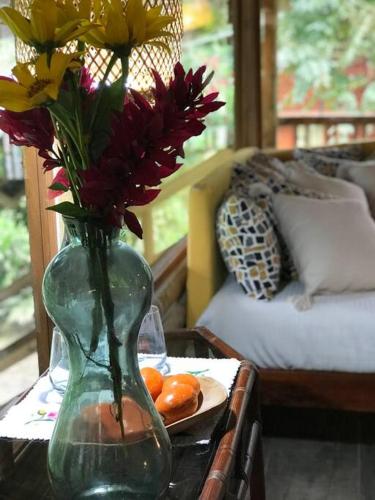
[171, 188]
[295, 129]
[308, 129]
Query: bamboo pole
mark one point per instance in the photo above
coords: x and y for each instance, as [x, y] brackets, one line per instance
[43, 244]
[269, 74]
[247, 46]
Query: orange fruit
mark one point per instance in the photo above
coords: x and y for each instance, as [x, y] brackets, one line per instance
[182, 378]
[177, 402]
[153, 381]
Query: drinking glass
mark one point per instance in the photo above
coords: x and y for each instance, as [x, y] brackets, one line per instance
[59, 362]
[152, 351]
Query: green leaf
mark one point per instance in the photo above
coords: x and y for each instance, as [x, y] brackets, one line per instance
[112, 99]
[69, 209]
[66, 100]
[63, 108]
[117, 94]
[207, 81]
[57, 186]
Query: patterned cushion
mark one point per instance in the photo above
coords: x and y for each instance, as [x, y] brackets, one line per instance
[269, 172]
[349, 152]
[327, 161]
[259, 168]
[249, 245]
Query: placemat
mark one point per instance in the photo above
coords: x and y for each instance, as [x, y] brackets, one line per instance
[34, 417]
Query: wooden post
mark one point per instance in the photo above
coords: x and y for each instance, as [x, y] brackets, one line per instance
[148, 235]
[360, 131]
[246, 25]
[43, 244]
[269, 74]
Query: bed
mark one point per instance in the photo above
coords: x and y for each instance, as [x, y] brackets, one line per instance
[337, 334]
[324, 357]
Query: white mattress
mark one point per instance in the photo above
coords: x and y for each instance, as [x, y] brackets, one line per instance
[336, 334]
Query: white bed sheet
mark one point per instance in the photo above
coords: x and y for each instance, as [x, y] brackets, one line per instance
[336, 334]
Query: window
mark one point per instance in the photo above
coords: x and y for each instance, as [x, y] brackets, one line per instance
[325, 84]
[18, 358]
[208, 39]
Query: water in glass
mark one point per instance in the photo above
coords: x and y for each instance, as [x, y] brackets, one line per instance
[152, 351]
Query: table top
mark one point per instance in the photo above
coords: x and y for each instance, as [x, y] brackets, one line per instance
[193, 451]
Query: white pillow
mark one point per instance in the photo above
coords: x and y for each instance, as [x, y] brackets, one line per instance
[304, 177]
[332, 242]
[362, 174]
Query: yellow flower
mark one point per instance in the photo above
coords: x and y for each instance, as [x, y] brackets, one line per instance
[50, 25]
[70, 10]
[121, 28]
[37, 87]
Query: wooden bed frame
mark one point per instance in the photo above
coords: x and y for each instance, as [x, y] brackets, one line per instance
[293, 388]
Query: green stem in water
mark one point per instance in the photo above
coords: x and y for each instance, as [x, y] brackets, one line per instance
[95, 284]
[113, 342]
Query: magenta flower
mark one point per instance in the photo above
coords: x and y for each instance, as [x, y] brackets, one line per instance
[146, 141]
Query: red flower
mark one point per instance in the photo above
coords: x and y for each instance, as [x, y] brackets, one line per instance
[183, 105]
[86, 81]
[60, 180]
[107, 189]
[29, 128]
[146, 141]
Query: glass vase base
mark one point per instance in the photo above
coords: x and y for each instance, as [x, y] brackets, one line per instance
[112, 492]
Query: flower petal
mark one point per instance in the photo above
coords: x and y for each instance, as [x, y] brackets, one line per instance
[133, 224]
[18, 24]
[71, 30]
[13, 96]
[43, 20]
[41, 67]
[96, 38]
[23, 75]
[117, 32]
[136, 19]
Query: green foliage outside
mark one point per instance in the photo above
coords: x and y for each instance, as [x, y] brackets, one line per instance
[320, 42]
[14, 237]
[170, 221]
[317, 42]
[14, 247]
[212, 46]
[328, 47]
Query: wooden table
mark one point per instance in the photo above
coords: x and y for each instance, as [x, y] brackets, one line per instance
[227, 465]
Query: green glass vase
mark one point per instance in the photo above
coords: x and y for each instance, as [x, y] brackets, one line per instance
[109, 441]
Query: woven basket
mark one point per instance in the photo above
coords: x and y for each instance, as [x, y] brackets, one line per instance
[142, 60]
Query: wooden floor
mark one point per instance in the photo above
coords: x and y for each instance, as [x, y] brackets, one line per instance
[317, 455]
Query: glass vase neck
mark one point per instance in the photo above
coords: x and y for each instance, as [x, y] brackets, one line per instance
[89, 233]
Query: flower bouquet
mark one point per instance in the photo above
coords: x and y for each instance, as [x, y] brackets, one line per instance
[110, 148]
